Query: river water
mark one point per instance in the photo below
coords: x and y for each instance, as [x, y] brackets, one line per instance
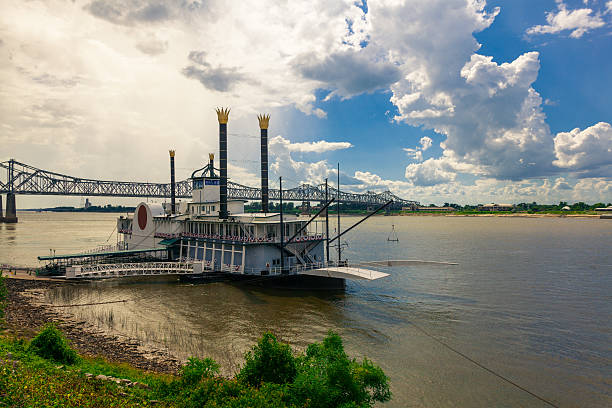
[530, 298]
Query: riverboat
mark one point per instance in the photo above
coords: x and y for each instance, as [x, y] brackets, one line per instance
[216, 235]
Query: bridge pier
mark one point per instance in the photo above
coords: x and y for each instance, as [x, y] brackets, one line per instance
[1, 212]
[11, 209]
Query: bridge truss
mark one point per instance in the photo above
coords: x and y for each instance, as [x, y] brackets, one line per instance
[20, 178]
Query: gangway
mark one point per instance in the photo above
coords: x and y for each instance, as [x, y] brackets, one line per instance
[199, 268]
[123, 270]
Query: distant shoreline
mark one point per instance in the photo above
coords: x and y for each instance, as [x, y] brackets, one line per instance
[512, 215]
[92, 209]
[120, 210]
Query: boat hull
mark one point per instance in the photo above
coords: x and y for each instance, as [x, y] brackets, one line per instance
[297, 282]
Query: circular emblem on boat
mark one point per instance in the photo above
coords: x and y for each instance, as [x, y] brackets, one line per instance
[142, 217]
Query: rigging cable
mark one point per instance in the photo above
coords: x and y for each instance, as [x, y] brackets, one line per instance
[451, 348]
[482, 366]
[111, 234]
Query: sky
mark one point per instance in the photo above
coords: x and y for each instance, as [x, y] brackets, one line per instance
[458, 101]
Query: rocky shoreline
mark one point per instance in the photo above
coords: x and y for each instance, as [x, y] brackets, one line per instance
[25, 317]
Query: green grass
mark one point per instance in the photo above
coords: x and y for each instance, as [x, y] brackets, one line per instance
[28, 380]
[274, 376]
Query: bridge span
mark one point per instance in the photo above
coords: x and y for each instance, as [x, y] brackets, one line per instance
[19, 178]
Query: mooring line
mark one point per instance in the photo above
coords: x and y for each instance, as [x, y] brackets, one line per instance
[92, 304]
[449, 347]
[482, 366]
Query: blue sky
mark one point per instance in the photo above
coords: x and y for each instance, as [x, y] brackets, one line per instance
[439, 101]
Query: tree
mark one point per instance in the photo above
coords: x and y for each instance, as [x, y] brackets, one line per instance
[268, 361]
[328, 378]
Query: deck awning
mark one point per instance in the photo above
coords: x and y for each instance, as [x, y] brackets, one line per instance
[127, 252]
[169, 241]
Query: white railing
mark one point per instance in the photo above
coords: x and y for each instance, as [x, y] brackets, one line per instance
[186, 267]
[247, 239]
[129, 269]
[294, 269]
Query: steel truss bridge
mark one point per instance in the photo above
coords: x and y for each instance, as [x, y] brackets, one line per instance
[20, 178]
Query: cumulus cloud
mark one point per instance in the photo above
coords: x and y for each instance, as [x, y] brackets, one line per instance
[425, 142]
[417, 152]
[586, 149]
[101, 99]
[548, 190]
[309, 147]
[430, 172]
[490, 114]
[578, 21]
[348, 72]
[283, 163]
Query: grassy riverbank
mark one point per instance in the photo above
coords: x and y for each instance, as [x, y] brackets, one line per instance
[47, 371]
[272, 377]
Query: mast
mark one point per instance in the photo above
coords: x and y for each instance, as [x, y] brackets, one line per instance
[326, 225]
[338, 207]
[282, 226]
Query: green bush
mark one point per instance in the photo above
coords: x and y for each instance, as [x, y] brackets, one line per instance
[51, 344]
[328, 378]
[196, 370]
[269, 361]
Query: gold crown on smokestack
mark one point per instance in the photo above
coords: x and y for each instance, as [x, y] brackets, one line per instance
[211, 156]
[223, 115]
[171, 153]
[264, 120]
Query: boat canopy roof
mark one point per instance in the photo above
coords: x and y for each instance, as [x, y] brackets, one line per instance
[99, 254]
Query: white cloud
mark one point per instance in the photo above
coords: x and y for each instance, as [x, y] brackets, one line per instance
[415, 154]
[578, 21]
[491, 116]
[586, 149]
[430, 172]
[484, 190]
[107, 91]
[296, 171]
[320, 146]
[609, 7]
[106, 86]
[425, 142]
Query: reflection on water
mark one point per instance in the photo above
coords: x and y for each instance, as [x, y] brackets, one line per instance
[530, 298]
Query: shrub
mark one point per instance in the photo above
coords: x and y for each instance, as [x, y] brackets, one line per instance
[269, 361]
[195, 370]
[328, 378]
[51, 344]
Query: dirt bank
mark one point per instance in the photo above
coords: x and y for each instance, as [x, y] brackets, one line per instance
[25, 317]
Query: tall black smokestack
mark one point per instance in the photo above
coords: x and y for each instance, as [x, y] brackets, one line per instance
[172, 185]
[264, 120]
[223, 116]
